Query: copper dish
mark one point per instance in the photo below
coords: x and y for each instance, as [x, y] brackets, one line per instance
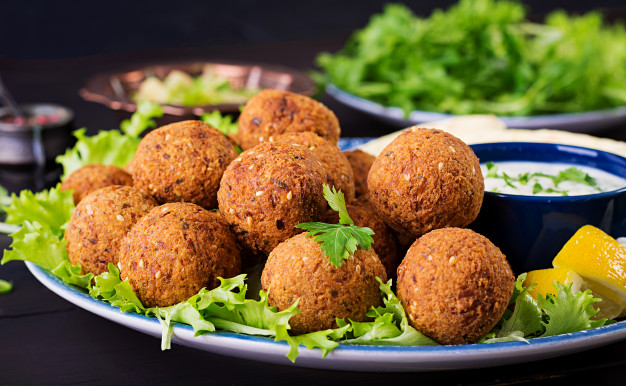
[115, 89]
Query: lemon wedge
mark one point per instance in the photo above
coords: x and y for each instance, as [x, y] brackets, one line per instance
[601, 261]
[544, 278]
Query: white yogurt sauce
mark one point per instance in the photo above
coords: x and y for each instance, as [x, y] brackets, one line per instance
[514, 169]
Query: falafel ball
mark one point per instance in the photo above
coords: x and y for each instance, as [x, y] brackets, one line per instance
[270, 189]
[454, 285]
[361, 163]
[272, 112]
[298, 269]
[426, 179]
[385, 243]
[100, 222]
[174, 251]
[183, 162]
[338, 170]
[92, 177]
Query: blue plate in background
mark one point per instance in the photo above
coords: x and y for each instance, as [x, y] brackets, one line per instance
[584, 122]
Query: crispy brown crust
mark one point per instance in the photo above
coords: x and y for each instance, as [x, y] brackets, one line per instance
[270, 189]
[183, 162]
[338, 170]
[361, 163]
[100, 222]
[454, 285]
[298, 269]
[426, 179]
[93, 177]
[272, 112]
[385, 243]
[176, 250]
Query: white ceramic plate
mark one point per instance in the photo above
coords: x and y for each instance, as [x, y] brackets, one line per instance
[587, 122]
[346, 357]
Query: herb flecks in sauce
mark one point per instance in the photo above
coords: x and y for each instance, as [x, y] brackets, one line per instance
[542, 183]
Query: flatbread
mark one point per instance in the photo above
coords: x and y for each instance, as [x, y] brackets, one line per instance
[473, 129]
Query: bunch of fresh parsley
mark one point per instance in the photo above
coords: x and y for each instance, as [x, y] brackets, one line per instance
[483, 56]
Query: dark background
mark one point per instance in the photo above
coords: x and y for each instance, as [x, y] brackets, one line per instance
[48, 49]
[60, 29]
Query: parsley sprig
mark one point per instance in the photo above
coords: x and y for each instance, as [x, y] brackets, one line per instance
[569, 174]
[338, 240]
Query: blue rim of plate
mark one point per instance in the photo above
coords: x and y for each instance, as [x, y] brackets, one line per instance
[408, 358]
[579, 122]
[351, 143]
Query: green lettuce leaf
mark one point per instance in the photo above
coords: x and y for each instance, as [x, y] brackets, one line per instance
[526, 319]
[110, 147]
[223, 123]
[37, 244]
[5, 199]
[50, 208]
[553, 315]
[71, 274]
[325, 340]
[142, 120]
[527, 315]
[386, 330]
[107, 148]
[569, 311]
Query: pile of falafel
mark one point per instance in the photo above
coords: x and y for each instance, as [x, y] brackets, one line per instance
[189, 209]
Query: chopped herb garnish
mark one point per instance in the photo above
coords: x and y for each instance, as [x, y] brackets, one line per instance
[570, 174]
[492, 169]
[523, 178]
[338, 240]
[575, 174]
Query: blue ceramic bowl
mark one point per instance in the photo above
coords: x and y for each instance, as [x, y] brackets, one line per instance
[530, 230]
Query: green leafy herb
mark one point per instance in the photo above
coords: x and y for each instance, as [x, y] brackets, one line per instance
[110, 147]
[483, 56]
[183, 89]
[42, 218]
[5, 286]
[224, 307]
[223, 123]
[575, 174]
[553, 315]
[492, 169]
[338, 240]
[5, 199]
[142, 119]
[570, 174]
[37, 244]
[390, 326]
[50, 208]
[568, 311]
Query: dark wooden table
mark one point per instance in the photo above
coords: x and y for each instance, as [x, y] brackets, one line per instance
[46, 340]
